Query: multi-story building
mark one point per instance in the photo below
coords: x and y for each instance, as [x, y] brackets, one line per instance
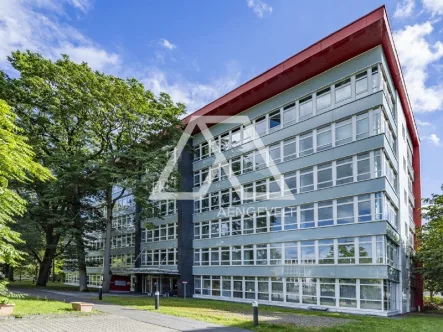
[307, 187]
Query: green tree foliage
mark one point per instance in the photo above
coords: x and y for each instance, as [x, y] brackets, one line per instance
[96, 133]
[430, 248]
[17, 166]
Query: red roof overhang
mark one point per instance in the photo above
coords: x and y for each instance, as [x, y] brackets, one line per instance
[358, 37]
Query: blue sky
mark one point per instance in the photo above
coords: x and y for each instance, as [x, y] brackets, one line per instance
[198, 50]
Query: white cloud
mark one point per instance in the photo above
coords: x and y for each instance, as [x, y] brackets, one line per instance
[433, 138]
[416, 55]
[423, 123]
[167, 44]
[435, 7]
[260, 8]
[404, 8]
[193, 94]
[35, 25]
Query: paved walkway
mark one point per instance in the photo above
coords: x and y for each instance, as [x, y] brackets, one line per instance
[119, 318]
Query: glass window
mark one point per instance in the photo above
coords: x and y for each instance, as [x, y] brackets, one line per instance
[197, 152]
[276, 253]
[274, 120]
[291, 218]
[275, 153]
[235, 137]
[248, 193]
[305, 106]
[260, 126]
[224, 142]
[375, 79]
[307, 216]
[361, 82]
[362, 125]
[225, 198]
[226, 287]
[197, 231]
[248, 162]
[323, 99]
[292, 290]
[365, 250]
[261, 254]
[225, 256]
[364, 208]
[325, 213]
[215, 173]
[236, 166]
[248, 255]
[261, 223]
[204, 176]
[225, 227]
[371, 294]
[343, 132]
[274, 187]
[215, 229]
[236, 225]
[290, 149]
[260, 190]
[197, 205]
[291, 183]
[236, 199]
[214, 146]
[306, 179]
[205, 203]
[289, 114]
[324, 175]
[205, 230]
[248, 225]
[275, 221]
[215, 200]
[260, 161]
[343, 90]
[205, 150]
[348, 293]
[291, 253]
[277, 289]
[236, 255]
[224, 170]
[215, 256]
[307, 252]
[344, 171]
[248, 132]
[327, 292]
[363, 167]
[326, 251]
[238, 287]
[346, 251]
[197, 179]
[345, 210]
[306, 144]
[309, 290]
[263, 288]
[324, 138]
[380, 249]
[250, 288]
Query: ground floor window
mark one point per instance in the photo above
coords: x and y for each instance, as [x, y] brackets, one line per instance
[364, 294]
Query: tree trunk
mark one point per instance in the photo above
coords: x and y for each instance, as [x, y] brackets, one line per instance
[10, 273]
[431, 296]
[46, 263]
[53, 270]
[81, 262]
[107, 258]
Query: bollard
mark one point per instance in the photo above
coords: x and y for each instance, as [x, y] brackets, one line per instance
[100, 294]
[157, 300]
[255, 312]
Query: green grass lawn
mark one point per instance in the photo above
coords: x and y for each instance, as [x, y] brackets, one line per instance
[230, 314]
[32, 306]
